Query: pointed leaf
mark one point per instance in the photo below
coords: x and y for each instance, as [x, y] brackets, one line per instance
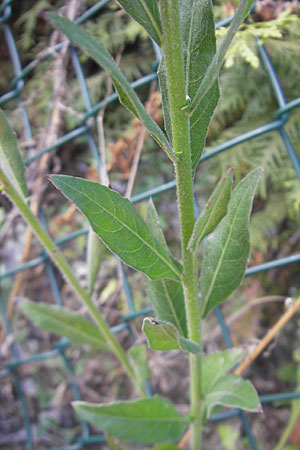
[126, 93]
[226, 250]
[167, 299]
[214, 211]
[10, 159]
[163, 84]
[166, 296]
[217, 364]
[145, 421]
[233, 392]
[212, 73]
[95, 254]
[165, 336]
[146, 13]
[64, 322]
[199, 48]
[152, 220]
[138, 358]
[119, 225]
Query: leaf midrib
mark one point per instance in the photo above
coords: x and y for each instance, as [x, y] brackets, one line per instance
[129, 229]
[152, 20]
[172, 307]
[222, 256]
[71, 328]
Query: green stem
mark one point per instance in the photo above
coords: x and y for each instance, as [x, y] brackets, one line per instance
[58, 258]
[180, 136]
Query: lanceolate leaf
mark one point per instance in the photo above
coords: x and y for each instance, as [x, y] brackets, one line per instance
[10, 159]
[234, 392]
[64, 322]
[213, 71]
[162, 76]
[217, 364]
[126, 93]
[165, 295]
[119, 225]
[146, 13]
[165, 336]
[199, 47]
[145, 421]
[226, 251]
[138, 358]
[214, 211]
[167, 299]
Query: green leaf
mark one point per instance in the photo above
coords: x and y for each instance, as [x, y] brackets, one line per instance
[229, 436]
[138, 358]
[126, 93]
[163, 84]
[146, 13]
[167, 299]
[64, 322]
[212, 73]
[10, 159]
[199, 48]
[152, 220]
[217, 364]
[95, 254]
[117, 444]
[166, 447]
[214, 211]
[166, 296]
[227, 249]
[233, 392]
[119, 225]
[165, 336]
[145, 421]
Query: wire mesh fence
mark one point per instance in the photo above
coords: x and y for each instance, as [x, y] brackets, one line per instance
[21, 75]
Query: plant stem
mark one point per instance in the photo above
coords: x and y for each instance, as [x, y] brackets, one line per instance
[172, 48]
[58, 258]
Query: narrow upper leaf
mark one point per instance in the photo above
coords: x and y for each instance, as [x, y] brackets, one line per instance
[167, 299]
[138, 358]
[217, 364]
[152, 220]
[227, 249]
[10, 159]
[126, 93]
[163, 84]
[119, 225]
[146, 13]
[165, 336]
[234, 392]
[213, 71]
[145, 421]
[64, 322]
[199, 48]
[214, 211]
[166, 296]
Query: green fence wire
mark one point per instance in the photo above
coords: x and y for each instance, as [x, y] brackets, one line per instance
[281, 116]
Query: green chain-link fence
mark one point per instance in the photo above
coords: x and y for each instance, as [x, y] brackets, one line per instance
[21, 75]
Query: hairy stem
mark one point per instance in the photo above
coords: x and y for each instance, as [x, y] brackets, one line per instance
[180, 135]
[58, 258]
